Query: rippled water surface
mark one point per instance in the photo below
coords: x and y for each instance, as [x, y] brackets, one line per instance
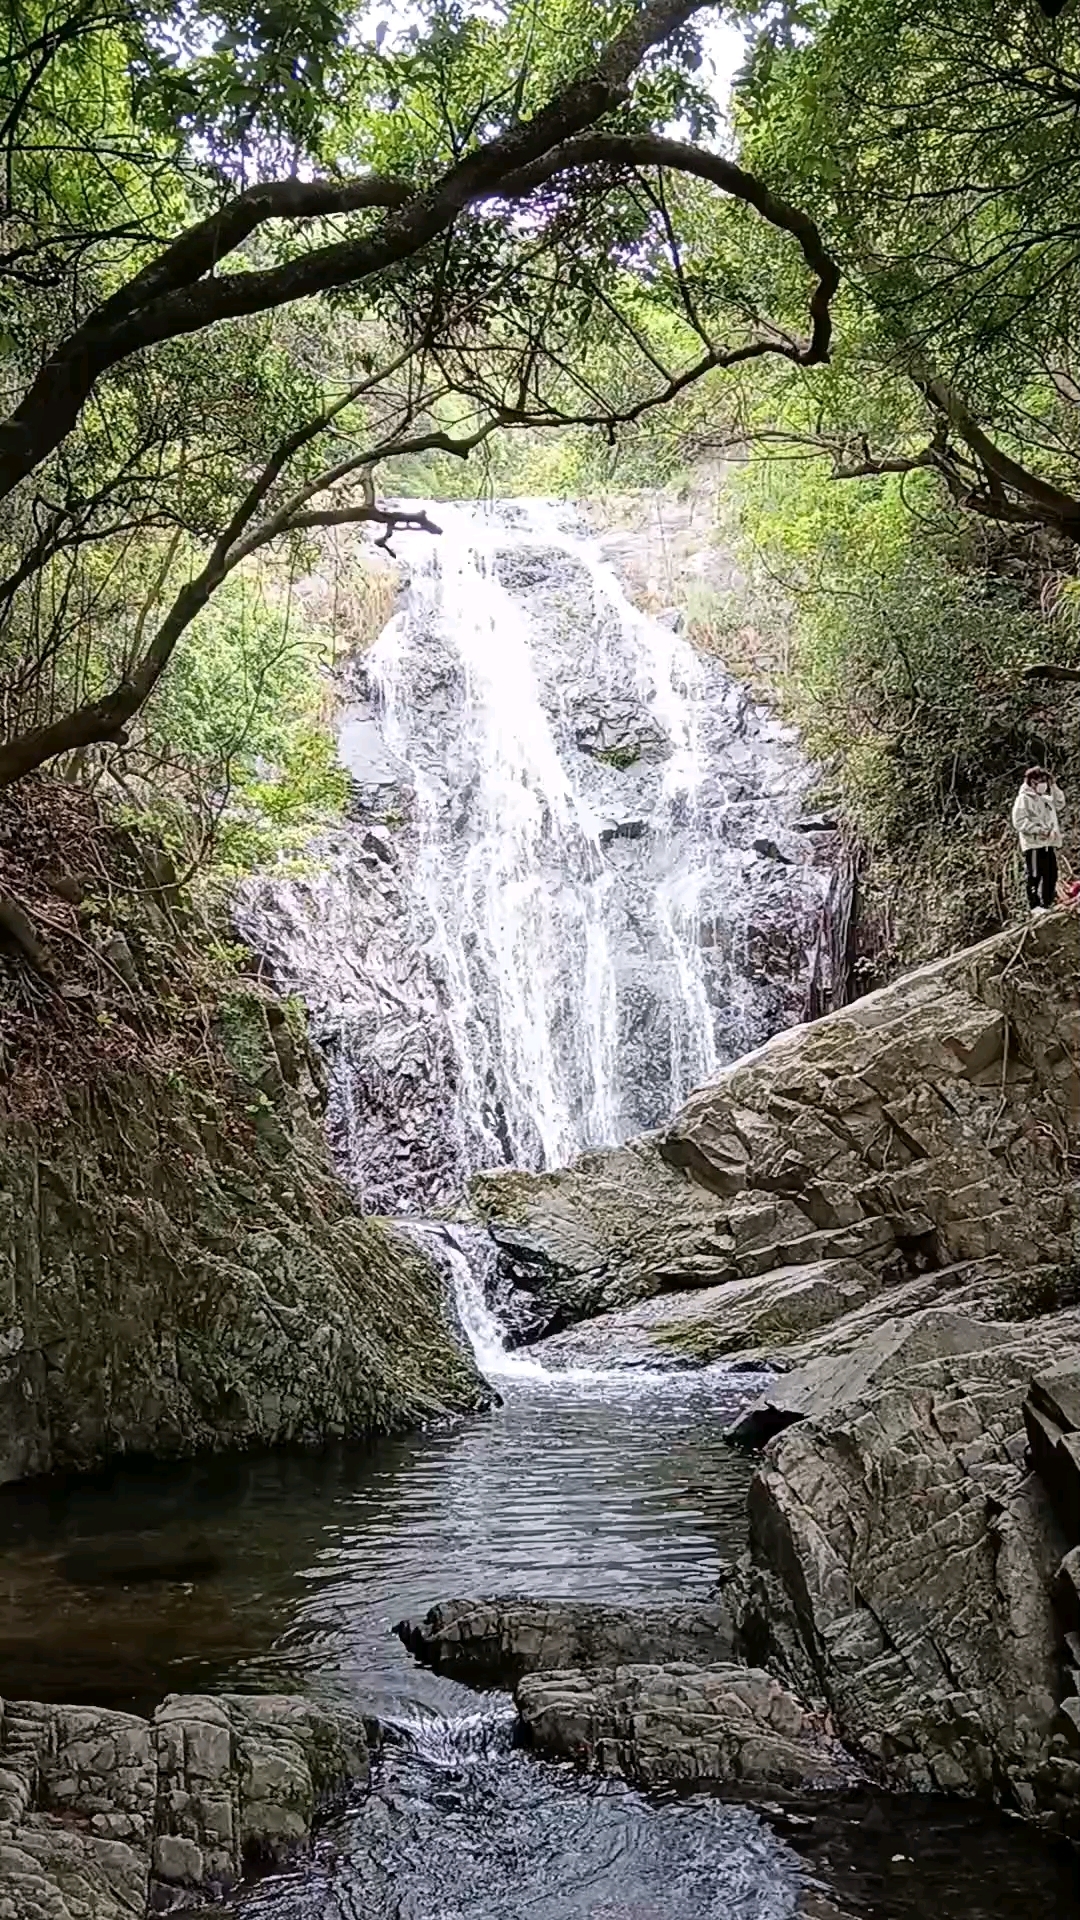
[288, 1571]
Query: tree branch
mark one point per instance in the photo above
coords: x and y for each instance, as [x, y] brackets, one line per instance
[1039, 499]
[179, 293]
[1046, 670]
[639, 150]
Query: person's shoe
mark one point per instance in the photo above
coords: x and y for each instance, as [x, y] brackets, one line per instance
[1036, 911]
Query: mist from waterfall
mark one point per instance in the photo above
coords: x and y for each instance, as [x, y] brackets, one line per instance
[536, 934]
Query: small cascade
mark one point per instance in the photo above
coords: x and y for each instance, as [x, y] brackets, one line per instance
[575, 879]
[468, 1256]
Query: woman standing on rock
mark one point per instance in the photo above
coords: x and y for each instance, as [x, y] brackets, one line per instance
[1035, 817]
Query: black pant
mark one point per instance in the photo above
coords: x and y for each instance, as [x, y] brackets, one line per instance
[1041, 868]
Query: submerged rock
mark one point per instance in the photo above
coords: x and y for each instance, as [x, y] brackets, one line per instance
[104, 1815]
[679, 1724]
[495, 1642]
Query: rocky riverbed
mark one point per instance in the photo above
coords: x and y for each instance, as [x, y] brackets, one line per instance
[109, 1815]
[880, 1212]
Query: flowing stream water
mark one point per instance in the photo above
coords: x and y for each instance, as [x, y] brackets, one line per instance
[289, 1571]
[576, 878]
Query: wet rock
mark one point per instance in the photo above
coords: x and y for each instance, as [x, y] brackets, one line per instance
[680, 1724]
[768, 850]
[903, 1565]
[495, 1642]
[176, 1277]
[759, 1317]
[104, 1815]
[619, 732]
[515, 980]
[908, 1132]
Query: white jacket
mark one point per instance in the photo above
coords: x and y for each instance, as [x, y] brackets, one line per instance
[1035, 817]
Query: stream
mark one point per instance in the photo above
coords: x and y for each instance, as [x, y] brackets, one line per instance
[288, 1571]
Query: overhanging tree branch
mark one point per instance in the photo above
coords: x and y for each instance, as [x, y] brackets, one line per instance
[642, 150]
[1035, 499]
[104, 719]
[181, 292]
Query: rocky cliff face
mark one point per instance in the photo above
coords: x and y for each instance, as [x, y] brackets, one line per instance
[929, 1125]
[904, 1559]
[180, 1268]
[580, 869]
[179, 1265]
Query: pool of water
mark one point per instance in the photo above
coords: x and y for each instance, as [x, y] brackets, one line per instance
[289, 1571]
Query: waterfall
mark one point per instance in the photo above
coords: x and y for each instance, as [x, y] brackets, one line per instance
[469, 1258]
[572, 883]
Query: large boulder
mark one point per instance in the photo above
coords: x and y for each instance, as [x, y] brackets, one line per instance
[837, 1380]
[922, 1127]
[104, 1813]
[495, 1642]
[181, 1269]
[758, 1321]
[904, 1560]
[678, 1724]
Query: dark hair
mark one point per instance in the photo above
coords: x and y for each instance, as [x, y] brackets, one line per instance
[1036, 773]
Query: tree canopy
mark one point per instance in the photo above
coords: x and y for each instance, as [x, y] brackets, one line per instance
[936, 145]
[258, 260]
[252, 256]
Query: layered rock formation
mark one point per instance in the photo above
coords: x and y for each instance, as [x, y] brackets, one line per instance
[884, 1205]
[903, 1558]
[651, 1693]
[681, 1725]
[106, 1814]
[180, 1268]
[927, 1125]
[1052, 1423]
[496, 1642]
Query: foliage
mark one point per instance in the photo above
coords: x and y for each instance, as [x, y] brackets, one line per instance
[238, 732]
[906, 652]
[935, 144]
[480, 223]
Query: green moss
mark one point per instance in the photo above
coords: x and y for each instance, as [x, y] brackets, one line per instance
[691, 1339]
[245, 1037]
[296, 1018]
[619, 757]
[1047, 1290]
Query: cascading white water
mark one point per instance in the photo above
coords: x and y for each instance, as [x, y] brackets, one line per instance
[516, 900]
[571, 849]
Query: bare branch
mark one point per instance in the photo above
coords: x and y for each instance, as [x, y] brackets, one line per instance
[1046, 670]
[640, 150]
